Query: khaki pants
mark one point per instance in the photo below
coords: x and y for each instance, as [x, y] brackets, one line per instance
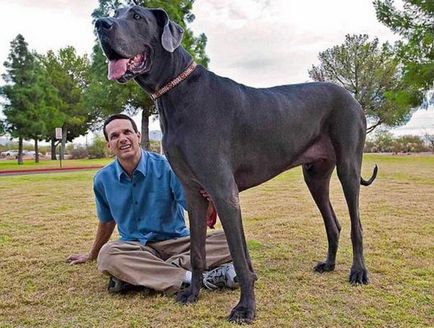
[158, 265]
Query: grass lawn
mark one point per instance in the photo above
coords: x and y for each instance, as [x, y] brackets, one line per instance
[43, 164]
[46, 217]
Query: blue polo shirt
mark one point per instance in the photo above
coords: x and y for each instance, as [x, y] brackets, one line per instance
[147, 207]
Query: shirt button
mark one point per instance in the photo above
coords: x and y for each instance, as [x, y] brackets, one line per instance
[136, 202]
[134, 184]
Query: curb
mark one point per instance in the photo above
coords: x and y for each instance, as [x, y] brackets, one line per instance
[48, 170]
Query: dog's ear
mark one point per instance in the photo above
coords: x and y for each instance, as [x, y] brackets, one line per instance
[172, 32]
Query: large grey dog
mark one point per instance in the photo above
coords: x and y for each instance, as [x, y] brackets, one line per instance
[224, 137]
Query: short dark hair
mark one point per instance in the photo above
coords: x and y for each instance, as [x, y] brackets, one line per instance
[118, 117]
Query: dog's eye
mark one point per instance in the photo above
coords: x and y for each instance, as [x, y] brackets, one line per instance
[137, 16]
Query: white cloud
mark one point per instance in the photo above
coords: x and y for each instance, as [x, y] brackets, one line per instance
[48, 24]
[263, 43]
[421, 123]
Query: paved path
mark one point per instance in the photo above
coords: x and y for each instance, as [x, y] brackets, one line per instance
[47, 170]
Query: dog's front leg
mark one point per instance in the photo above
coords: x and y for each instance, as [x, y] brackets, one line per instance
[226, 200]
[197, 209]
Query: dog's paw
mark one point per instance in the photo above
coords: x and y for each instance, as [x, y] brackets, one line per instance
[358, 276]
[322, 267]
[242, 314]
[187, 297]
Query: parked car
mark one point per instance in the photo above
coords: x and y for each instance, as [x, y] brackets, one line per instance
[10, 153]
[33, 153]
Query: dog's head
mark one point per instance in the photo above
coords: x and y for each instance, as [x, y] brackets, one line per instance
[133, 37]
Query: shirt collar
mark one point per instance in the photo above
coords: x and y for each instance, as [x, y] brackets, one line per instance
[141, 166]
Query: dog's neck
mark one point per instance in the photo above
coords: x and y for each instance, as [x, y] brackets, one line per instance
[172, 64]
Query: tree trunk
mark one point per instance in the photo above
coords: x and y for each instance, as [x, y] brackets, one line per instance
[20, 151]
[145, 130]
[53, 149]
[36, 151]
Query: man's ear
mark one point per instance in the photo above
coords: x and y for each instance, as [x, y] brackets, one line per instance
[172, 32]
[139, 136]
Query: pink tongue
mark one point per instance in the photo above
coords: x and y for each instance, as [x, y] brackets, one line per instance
[117, 68]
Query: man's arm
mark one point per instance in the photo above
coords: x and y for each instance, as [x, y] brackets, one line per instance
[103, 234]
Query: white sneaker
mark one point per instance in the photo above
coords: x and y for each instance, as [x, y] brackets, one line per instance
[221, 277]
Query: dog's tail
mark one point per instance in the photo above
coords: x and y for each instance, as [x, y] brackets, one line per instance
[363, 182]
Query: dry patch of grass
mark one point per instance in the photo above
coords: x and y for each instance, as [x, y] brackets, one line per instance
[44, 218]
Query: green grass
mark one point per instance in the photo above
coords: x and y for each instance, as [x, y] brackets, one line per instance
[46, 217]
[43, 164]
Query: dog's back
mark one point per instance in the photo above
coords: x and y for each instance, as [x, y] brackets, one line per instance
[265, 131]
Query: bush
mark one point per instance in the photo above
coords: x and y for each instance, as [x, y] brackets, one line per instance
[98, 149]
[386, 142]
[79, 153]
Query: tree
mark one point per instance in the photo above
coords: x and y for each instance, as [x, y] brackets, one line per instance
[69, 75]
[106, 97]
[371, 73]
[46, 102]
[415, 23]
[26, 108]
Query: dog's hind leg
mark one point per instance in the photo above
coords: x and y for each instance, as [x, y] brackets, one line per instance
[348, 168]
[317, 177]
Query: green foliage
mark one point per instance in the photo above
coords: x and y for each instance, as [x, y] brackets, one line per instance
[18, 91]
[2, 128]
[69, 76]
[106, 97]
[415, 23]
[98, 148]
[370, 72]
[30, 98]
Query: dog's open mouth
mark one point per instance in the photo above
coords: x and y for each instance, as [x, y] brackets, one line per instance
[124, 69]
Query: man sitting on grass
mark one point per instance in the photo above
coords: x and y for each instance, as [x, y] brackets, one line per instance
[140, 194]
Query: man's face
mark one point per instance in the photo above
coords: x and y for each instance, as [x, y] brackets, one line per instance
[123, 141]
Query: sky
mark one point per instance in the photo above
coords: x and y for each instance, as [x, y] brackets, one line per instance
[255, 42]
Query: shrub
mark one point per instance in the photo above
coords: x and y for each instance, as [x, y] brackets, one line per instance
[386, 142]
[98, 148]
[78, 153]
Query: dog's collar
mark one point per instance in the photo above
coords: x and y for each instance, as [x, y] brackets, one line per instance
[169, 86]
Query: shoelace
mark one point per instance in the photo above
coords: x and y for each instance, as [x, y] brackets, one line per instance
[216, 278]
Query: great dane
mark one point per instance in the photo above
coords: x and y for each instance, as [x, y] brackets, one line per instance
[224, 137]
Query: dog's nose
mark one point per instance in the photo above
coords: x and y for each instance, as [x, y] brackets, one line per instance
[103, 24]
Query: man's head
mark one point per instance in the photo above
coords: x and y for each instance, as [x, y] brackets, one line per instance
[118, 117]
[123, 138]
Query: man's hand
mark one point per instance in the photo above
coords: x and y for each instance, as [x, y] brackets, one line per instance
[211, 213]
[103, 233]
[78, 258]
[205, 195]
